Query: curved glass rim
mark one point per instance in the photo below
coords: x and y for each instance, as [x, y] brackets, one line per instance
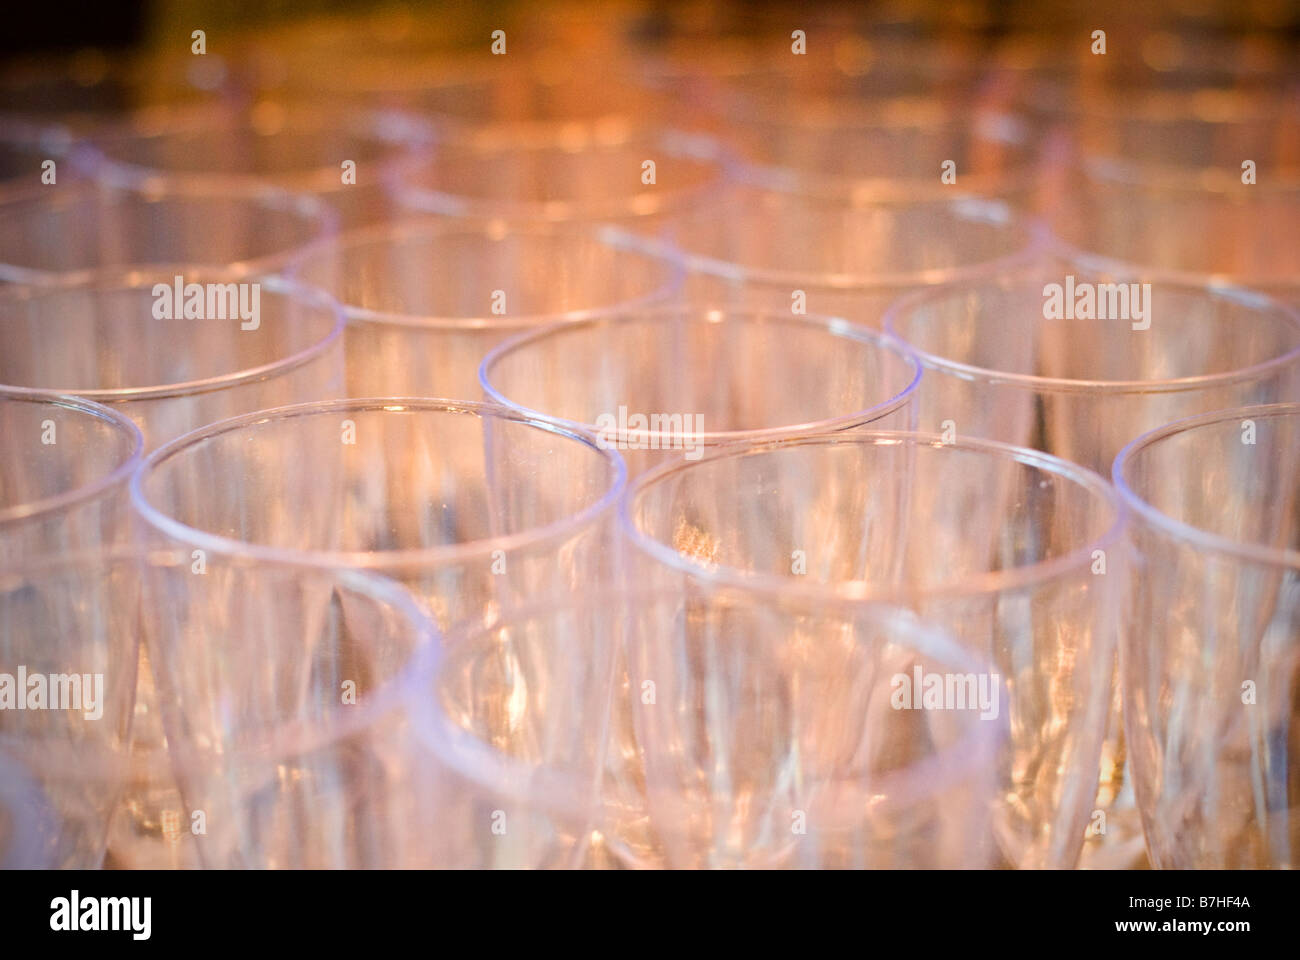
[1101, 263]
[1028, 381]
[489, 767]
[1167, 178]
[118, 475]
[816, 323]
[374, 560]
[997, 581]
[399, 232]
[152, 188]
[407, 146]
[397, 692]
[143, 279]
[694, 147]
[1032, 230]
[1181, 530]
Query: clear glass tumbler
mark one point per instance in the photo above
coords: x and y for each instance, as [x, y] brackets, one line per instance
[132, 341]
[666, 383]
[346, 157]
[1016, 554]
[69, 230]
[475, 507]
[1208, 652]
[1077, 363]
[1063, 358]
[776, 248]
[426, 300]
[1200, 185]
[612, 171]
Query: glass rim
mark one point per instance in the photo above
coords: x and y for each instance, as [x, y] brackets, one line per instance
[113, 279]
[95, 157]
[373, 560]
[1033, 238]
[1181, 530]
[90, 189]
[402, 231]
[1028, 381]
[856, 592]
[1262, 284]
[702, 149]
[1162, 178]
[703, 314]
[100, 486]
[488, 767]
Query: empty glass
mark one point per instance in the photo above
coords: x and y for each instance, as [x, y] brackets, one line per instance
[1076, 362]
[426, 300]
[607, 171]
[1014, 553]
[345, 157]
[1024, 359]
[173, 357]
[772, 733]
[69, 647]
[475, 507]
[1209, 645]
[664, 383]
[1200, 185]
[780, 250]
[68, 231]
[64, 466]
[899, 150]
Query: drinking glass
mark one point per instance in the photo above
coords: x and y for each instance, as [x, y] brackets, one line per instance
[105, 339]
[473, 506]
[665, 383]
[1208, 650]
[612, 171]
[63, 474]
[773, 247]
[773, 733]
[302, 147]
[69, 646]
[287, 694]
[425, 301]
[68, 231]
[121, 339]
[1161, 181]
[1007, 358]
[1002, 362]
[1012, 552]
[895, 149]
